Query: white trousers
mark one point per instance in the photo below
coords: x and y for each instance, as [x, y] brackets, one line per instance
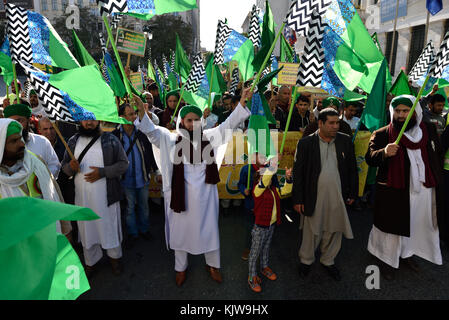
[95, 253]
[181, 261]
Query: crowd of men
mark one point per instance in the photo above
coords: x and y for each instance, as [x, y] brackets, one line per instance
[110, 172]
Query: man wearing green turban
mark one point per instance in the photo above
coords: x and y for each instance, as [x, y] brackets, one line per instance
[36, 143]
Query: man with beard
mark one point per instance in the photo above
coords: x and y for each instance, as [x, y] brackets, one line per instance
[34, 142]
[22, 173]
[97, 186]
[190, 174]
[407, 200]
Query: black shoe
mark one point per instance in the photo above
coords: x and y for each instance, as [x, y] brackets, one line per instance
[333, 272]
[411, 263]
[146, 235]
[131, 241]
[386, 271]
[89, 271]
[304, 270]
[117, 267]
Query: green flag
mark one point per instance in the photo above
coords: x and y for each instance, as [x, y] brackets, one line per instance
[218, 83]
[173, 81]
[83, 90]
[268, 35]
[374, 114]
[37, 263]
[81, 54]
[357, 58]
[401, 86]
[259, 137]
[6, 63]
[287, 54]
[151, 73]
[182, 63]
[113, 77]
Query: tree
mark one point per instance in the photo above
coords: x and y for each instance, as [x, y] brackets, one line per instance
[164, 29]
[90, 26]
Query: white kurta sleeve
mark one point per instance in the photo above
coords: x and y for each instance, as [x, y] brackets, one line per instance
[237, 116]
[152, 131]
[154, 118]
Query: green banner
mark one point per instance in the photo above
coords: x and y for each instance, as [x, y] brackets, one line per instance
[131, 42]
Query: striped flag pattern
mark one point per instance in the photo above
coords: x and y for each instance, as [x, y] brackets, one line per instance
[421, 65]
[196, 74]
[311, 69]
[300, 13]
[254, 27]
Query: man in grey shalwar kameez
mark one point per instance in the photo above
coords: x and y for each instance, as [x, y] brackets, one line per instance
[325, 177]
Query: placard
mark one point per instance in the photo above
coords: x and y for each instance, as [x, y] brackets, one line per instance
[136, 80]
[289, 74]
[129, 41]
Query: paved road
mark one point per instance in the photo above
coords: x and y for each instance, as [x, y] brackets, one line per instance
[148, 269]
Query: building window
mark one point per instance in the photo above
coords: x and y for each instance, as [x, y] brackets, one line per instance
[416, 45]
[54, 5]
[92, 1]
[388, 50]
[44, 5]
[63, 5]
[80, 3]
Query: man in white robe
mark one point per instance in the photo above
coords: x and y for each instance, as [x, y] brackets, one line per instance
[193, 228]
[34, 142]
[405, 210]
[97, 186]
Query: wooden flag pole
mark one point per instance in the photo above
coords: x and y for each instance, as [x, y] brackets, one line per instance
[394, 34]
[412, 110]
[55, 126]
[427, 26]
[117, 56]
[128, 60]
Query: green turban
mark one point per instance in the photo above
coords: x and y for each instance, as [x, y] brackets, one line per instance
[187, 109]
[403, 99]
[13, 127]
[331, 101]
[17, 110]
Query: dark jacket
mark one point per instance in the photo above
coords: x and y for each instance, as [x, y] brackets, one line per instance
[115, 164]
[392, 206]
[297, 122]
[145, 150]
[307, 168]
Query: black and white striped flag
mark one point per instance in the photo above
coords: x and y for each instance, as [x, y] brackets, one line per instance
[196, 74]
[300, 13]
[254, 27]
[442, 59]
[311, 69]
[223, 32]
[116, 20]
[102, 43]
[423, 63]
[50, 96]
[235, 81]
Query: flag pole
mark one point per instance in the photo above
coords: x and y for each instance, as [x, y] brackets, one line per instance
[117, 56]
[55, 126]
[427, 26]
[412, 110]
[16, 86]
[394, 34]
[210, 86]
[284, 136]
[256, 80]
